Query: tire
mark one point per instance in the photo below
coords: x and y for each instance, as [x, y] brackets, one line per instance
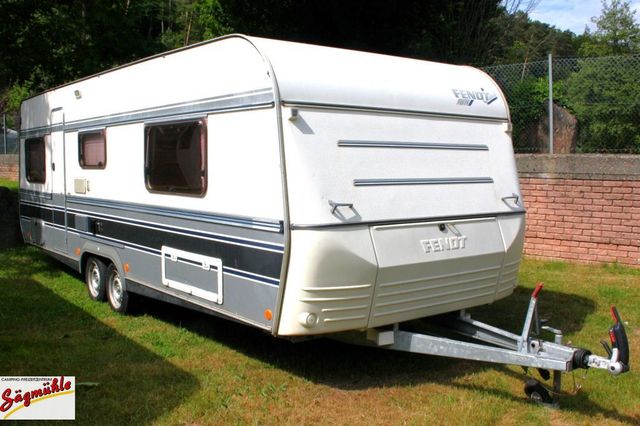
[95, 277]
[537, 393]
[117, 294]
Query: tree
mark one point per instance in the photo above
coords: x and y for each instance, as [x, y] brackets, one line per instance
[185, 22]
[458, 31]
[46, 42]
[605, 97]
[617, 31]
[522, 40]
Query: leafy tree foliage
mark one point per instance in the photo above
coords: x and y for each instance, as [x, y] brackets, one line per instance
[44, 43]
[605, 98]
[526, 101]
[522, 40]
[605, 94]
[602, 93]
[47, 42]
[452, 31]
[617, 32]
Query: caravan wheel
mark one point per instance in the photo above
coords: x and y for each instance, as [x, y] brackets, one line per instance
[116, 292]
[537, 393]
[95, 276]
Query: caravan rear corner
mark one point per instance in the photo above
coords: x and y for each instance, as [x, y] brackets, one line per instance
[300, 189]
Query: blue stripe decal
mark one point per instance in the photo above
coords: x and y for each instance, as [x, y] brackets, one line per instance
[102, 240]
[53, 225]
[260, 224]
[37, 194]
[233, 101]
[249, 275]
[274, 226]
[234, 240]
[121, 243]
[36, 204]
[226, 270]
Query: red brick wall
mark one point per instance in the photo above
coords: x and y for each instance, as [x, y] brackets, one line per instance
[8, 171]
[586, 220]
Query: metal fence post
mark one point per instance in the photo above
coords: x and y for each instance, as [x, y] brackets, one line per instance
[4, 130]
[550, 103]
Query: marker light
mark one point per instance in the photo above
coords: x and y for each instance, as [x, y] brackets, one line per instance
[307, 319]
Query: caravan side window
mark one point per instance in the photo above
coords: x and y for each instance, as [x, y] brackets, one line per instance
[35, 160]
[176, 157]
[92, 149]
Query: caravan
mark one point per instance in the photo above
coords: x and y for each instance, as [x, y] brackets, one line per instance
[300, 189]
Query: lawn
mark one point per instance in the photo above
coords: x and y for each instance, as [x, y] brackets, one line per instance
[168, 365]
[11, 184]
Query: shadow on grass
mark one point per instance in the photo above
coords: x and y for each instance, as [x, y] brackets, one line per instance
[579, 403]
[351, 367]
[41, 342]
[27, 261]
[567, 312]
[43, 334]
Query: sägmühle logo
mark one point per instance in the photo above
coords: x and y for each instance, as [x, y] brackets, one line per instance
[38, 398]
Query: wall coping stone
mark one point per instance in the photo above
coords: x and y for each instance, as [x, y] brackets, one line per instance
[579, 166]
[8, 158]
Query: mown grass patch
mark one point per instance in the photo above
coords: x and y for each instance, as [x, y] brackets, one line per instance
[11, 184]
[169, 365]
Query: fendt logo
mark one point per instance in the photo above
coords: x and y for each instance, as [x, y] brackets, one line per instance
[467, 97]
[435, 245]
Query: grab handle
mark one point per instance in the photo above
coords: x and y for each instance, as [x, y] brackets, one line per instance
[514, 197]
[334, 206]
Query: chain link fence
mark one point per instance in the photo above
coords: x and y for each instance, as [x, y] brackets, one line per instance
[8, 136]
[595, 104]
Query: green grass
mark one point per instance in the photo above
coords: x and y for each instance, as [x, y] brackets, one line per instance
[168, 365]
[11, 184]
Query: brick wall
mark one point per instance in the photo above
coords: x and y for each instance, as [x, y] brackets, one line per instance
[582, 208]
[9, 167]
[579, 207]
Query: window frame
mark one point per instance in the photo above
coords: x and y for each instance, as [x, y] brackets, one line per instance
[27, 162]
[201, 122]
[82, 133]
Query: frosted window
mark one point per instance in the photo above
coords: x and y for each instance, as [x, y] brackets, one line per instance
[93, 150]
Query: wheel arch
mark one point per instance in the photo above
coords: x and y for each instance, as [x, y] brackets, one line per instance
[107, 254]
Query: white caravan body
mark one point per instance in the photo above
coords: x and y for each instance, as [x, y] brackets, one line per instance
[325, 190]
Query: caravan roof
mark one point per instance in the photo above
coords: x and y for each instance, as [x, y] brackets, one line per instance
[304, 74]
[331, 76]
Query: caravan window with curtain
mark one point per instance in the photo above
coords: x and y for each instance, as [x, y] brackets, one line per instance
[35, 160]
[92, 150]
[176, 157]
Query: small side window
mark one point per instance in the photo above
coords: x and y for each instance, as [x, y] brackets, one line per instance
[92, 150]
[35, 160]
[176, 157]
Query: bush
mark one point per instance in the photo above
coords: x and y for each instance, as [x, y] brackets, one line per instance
[605, 97]
[527, 99]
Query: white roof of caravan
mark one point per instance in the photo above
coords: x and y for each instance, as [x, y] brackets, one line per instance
[305, 74]
[330, 76]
